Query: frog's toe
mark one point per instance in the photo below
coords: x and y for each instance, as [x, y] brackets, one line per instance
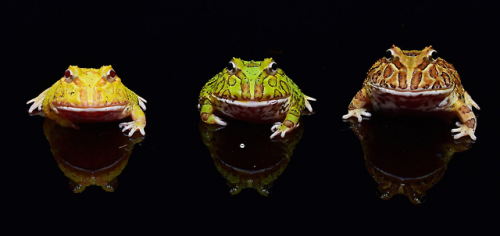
[38, 101]
[212, 119]
[219, 121]
[280, 131]
[308, 105]
[36, 104]
[462, 131]
[278, 128]
[133, 127]
[358, 113]
[277, 132]
[470, 102]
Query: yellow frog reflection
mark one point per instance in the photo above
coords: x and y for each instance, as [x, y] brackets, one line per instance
[246, 157]
[93, 155]
[407, 155]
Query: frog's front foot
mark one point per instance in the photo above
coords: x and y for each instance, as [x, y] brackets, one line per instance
[38, 101]
[463, 130]
[212, 119]
[279, 128]
[133, 126]
[357, 113]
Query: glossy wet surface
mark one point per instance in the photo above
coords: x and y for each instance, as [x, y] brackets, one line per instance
[184, 175]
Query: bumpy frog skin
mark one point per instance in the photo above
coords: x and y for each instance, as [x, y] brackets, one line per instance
[254, 91]
[414, 81]
[91, 96]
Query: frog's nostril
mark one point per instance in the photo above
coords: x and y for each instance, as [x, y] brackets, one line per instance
[78, 82]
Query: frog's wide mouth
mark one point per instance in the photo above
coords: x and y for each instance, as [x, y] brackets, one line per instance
[250, 103]
[91, 109]
[414, 93]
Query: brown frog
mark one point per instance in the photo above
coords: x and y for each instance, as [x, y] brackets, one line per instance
[415, 82]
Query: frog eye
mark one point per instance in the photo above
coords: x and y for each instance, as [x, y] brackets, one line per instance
[388, 54]
[68, 75]
[433, 55]
[110, 76]
[272, 68]
[231, 68]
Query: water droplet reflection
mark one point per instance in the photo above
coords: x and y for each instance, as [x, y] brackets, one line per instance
[255, 168]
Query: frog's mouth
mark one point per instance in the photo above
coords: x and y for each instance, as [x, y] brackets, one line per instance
[90, 109]
[412, 93]
[254, 111]
[253, 104]
[91, 114]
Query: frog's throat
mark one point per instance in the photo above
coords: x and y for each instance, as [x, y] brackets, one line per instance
[410, 93]
[91, 109]
[249, 103]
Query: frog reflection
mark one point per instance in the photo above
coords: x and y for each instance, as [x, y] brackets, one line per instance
[93, 155]
[246, 157]
[407, 155]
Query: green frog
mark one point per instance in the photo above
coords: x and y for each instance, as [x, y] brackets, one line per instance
[254, 91]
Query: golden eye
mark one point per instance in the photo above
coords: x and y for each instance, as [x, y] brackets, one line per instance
[68, 75]
[111, 75]
[231, 68]
[272, 68]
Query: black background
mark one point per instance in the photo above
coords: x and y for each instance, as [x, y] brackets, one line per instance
[166, 52]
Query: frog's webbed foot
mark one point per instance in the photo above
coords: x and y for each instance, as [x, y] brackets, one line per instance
[38, 101]
[279, 128]
[463, 130]
[133, 126]
[357, 113]
[290, 123]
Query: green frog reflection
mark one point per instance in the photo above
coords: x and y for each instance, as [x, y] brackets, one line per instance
[246, 157]
[407, 155]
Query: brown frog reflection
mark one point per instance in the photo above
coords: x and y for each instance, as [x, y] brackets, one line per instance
[246, 157]
[407, 155]
[93, 155]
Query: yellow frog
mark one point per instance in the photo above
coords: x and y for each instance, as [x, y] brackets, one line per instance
[90, 96]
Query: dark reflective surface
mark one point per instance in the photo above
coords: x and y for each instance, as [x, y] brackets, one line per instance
[246, 157]
[165, 51]
[407, 155]
[96, 154]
